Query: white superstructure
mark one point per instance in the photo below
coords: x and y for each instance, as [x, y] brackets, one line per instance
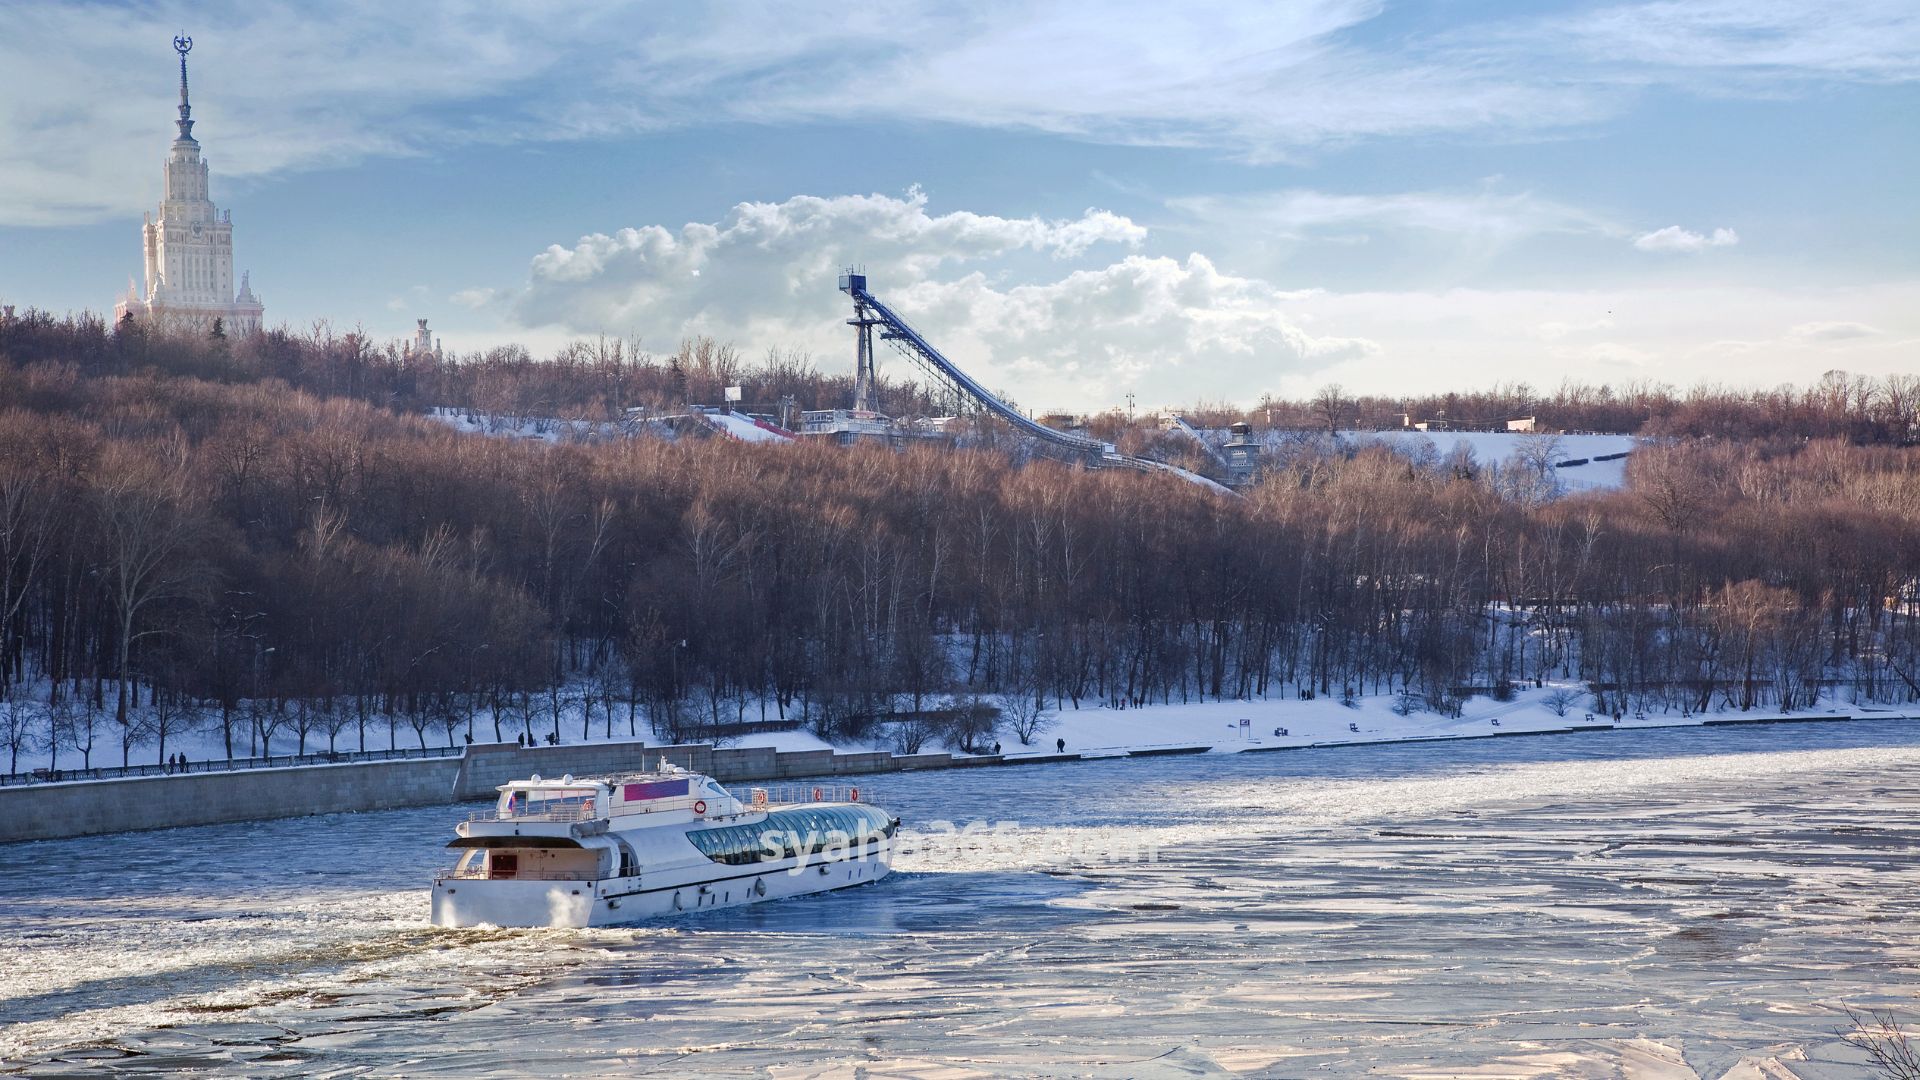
[188, 246]
[598, 852]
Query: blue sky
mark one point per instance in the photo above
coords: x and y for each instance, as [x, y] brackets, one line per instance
[1076, 200]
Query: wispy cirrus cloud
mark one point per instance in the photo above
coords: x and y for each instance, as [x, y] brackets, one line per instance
[288, 87]
[1831, 331]
[1490, 215]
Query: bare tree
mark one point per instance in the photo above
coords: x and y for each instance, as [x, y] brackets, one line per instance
[1886, 1045]
[1561, 699]
[20, 721]
[26, 531]
[167, 716]
[911, 732]
[1025, 715]
[144, 526]
[73, 723]
[1330, 404]
[971, 725]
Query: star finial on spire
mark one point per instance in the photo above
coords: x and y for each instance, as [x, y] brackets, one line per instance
[183, 45]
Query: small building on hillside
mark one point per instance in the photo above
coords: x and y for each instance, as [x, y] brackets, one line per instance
[423, 343]
[1242, 454]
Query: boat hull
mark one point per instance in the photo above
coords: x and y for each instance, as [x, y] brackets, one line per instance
[618, 901]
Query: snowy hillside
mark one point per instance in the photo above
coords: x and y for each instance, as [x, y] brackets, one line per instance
[1489, 446]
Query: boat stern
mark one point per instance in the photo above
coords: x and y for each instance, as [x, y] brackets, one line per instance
[485, 902]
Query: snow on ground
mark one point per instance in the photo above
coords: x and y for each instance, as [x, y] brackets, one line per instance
[1093, 730]
[745, 428]
[1491, 446]
[1325, 720]
[543, 429]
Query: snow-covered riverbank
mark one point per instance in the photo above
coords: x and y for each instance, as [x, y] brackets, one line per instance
[1286, 723]
[1096, 730]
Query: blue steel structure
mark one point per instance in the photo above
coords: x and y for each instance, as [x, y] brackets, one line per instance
[869, 312]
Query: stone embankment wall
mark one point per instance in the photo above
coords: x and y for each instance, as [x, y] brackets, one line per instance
[89, 807]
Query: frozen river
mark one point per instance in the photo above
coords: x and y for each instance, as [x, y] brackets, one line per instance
[1655, 904]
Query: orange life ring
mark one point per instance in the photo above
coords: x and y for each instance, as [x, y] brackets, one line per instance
[818, 793]
[700, 806]
[853, 795]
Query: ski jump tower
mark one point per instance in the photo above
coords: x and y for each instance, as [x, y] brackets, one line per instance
[863, 322]
[869, 312]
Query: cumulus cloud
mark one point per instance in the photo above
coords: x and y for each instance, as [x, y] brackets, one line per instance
[1676, 239]
[765, 275]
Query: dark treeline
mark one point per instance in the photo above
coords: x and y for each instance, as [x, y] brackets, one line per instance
[599, 380]
[178, 549]
[1861, 409]
[586, 380]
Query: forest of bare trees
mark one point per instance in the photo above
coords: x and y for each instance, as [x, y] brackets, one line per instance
[601, 379]
[260, 536]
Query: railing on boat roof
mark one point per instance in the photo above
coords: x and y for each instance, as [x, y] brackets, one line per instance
[761, 798]
[756, 798]
[570, 811]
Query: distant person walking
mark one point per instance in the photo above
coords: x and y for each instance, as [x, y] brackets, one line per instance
[1060, 745]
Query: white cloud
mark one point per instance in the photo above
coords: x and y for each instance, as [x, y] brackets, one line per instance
[1487, 215]
[767, 276]
[1171, 330]
[1674, 238]
[290, 87]
[1832, 331]
[475, 299]
[1445, 339]
[1717, 41]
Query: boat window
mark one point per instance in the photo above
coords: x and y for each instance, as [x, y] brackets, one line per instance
[565, 801]
[502, 864]
[786, 833]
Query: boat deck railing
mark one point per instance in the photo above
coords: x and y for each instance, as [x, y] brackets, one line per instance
[758, 798]
[761, 798]
[581, 812]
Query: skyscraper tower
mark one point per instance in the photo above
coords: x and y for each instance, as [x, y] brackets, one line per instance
[189, 245]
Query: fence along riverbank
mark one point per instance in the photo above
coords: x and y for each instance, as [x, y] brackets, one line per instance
[58, 810]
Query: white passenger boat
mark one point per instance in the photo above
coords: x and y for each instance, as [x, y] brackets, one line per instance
[598, 852]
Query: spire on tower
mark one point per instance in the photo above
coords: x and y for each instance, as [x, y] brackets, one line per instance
[183, 44]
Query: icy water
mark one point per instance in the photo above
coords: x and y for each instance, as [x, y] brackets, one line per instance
[1652, 904]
